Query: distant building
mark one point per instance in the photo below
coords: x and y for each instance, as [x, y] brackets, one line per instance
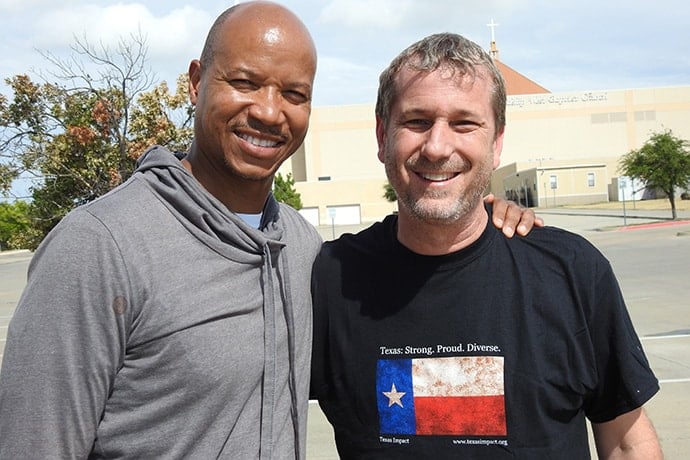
[559, 148]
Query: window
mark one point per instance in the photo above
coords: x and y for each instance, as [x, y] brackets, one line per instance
[612, 117]
[617, 117]
[590, 179]
[645, 115]
[554, 182]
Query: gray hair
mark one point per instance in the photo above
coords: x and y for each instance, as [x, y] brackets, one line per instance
[449, 50]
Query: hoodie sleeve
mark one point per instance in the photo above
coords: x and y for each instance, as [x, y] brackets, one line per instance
[65, 343]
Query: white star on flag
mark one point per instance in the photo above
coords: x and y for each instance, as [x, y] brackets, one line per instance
[394, 396]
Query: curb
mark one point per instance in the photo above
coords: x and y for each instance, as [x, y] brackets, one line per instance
[654, 225]
[14, 252]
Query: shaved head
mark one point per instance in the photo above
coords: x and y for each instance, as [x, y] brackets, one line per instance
[260, 13]
[251, 90]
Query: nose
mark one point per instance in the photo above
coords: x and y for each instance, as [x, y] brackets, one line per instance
[267, 106]
[439, 142]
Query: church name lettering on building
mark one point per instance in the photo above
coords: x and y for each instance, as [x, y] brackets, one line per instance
[555, 99]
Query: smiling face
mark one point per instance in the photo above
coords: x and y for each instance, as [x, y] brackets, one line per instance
[439, 143]
[252, 98]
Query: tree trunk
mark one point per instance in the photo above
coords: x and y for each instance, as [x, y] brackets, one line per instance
[672, 199]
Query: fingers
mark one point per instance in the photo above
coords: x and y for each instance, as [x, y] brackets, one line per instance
[508, 216]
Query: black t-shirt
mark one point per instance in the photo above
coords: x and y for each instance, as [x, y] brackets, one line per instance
[499, 350]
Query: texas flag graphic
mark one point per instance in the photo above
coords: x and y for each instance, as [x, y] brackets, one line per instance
[441, 396]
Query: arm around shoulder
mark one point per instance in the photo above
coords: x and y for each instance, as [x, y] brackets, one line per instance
[628, 436]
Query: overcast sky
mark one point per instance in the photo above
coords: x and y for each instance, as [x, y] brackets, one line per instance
[563, 46]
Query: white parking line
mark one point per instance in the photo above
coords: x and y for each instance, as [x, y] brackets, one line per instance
[674, 380]
[659, 337]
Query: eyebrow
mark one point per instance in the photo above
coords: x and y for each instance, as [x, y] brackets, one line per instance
[252, 75]
[419, 111]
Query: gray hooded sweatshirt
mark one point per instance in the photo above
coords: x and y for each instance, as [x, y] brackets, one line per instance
[157, 324]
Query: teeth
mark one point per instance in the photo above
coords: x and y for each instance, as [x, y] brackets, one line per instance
[258, 142]
[437, 177]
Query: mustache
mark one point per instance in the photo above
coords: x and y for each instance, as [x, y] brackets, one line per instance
[455, 164]
[262, 128]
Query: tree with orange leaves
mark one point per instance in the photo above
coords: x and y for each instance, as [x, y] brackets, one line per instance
[81, 136]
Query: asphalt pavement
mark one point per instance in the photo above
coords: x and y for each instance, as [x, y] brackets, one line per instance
[651, 258]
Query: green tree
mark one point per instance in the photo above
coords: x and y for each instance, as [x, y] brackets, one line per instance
[285, 192]
[83, 134]
[15, 224]
[58, 134]
[663, 163]
[389, 192]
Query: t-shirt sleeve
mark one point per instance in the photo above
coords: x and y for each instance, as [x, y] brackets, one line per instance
[625, 379]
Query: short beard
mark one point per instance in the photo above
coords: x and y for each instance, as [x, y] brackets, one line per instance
[425, 210]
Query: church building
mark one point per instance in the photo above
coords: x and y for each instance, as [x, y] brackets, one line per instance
[559, 148]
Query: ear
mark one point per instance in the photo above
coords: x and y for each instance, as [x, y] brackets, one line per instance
[194, 79]
[498, 147]
[380, 137]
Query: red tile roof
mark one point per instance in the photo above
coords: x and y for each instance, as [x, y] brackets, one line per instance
[516, 83]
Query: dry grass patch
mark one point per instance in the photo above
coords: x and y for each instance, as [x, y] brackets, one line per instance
[652, 205]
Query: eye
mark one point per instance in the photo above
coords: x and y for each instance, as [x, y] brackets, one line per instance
[417, 124]
[243, 84]
[465, 126]
[296, 97]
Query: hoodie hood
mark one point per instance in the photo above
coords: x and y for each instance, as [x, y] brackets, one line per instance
[203, 214]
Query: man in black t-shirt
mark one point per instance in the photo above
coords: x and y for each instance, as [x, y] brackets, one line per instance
[435, 337]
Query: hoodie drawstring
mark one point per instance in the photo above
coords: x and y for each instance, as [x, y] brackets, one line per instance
[270, 358]
[269, 389]
[288, 312]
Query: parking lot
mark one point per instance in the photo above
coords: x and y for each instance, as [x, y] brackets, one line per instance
[652, 263]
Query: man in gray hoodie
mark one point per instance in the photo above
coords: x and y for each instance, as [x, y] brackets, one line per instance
[171, 317]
